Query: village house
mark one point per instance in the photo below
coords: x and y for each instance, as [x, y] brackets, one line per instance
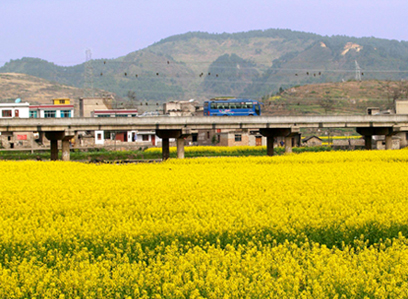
[312, 141]
[59, 109]
[379, 142]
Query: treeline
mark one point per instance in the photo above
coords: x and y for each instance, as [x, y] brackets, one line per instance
[229, 75]
[270, 33]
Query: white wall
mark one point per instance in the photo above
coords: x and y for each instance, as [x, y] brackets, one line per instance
[23, 110]
[97, 135]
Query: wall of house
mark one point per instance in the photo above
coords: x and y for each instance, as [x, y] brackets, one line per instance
[403, 139]
[136, 137]
[252, 140]
[18, 140]
[41, 112]
[22, 111]
[380, 144]
[313, 142]
[88, 105]
[228, 139]
[233, 142]
[205, 137]
[401, 107]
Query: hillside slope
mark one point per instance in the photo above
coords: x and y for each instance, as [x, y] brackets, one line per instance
[247, 64]
[346, 98]
[35, 90]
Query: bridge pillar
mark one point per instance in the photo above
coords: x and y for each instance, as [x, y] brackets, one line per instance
[165, 148]
[65, 149]
[288, 144]
[291, 140]
[368, 133]
[271, 133]
[64, 137]
[165, 135]
[388, 142]
[180, 147]
[368, 141]
[180, 143]
[54, 150]
[269, 145]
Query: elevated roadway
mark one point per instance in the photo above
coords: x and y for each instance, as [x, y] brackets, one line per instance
[178, 127]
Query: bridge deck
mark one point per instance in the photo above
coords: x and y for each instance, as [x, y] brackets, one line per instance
[174, 123]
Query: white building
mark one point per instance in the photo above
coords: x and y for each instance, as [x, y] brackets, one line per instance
[11, 110]
[51, 111]
[114, 113]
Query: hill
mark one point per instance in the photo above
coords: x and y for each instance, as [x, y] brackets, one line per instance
[250, 64]
[36, 90]
[350, 97]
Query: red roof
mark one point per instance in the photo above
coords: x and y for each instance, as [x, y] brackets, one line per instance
[114, 111]
[52, 106]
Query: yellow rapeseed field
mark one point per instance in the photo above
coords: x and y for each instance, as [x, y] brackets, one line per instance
[313, 225]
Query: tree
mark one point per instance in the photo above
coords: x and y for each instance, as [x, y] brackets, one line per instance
[327, 104]
[131, 95]
[396, 91]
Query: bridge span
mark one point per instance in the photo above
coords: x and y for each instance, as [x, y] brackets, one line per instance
[179, 127]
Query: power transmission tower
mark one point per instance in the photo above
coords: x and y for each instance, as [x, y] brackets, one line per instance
[358, 71]
[88, 75]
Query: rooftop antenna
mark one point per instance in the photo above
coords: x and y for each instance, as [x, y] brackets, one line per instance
[358, 71]
[88, 75]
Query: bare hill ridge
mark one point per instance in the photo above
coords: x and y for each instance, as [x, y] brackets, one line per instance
[350, 97]
[35, 90]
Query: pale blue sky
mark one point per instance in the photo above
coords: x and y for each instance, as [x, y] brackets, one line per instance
[61, 30]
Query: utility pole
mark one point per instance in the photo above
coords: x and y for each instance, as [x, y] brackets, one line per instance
[358, 71]
[88, 75]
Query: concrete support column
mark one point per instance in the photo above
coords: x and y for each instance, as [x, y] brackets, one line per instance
[178, 134]
[180, 147]
[165, 148]
[65, 150]
[41, 136]
[54, 150]
[270, 133]
[368, 133]
[64, 136]
[368, 142]
[288, 144]
[388, 142]
[269, 145]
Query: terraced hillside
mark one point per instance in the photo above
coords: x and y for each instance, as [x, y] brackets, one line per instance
[251, 64]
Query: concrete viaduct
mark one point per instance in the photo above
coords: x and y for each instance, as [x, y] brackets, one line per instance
[178, 127]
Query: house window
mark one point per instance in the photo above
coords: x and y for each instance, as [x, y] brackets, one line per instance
[145, 137]
[65, 113]
[121, 115]
[33, 114]
[62, 101]
[49, 113]
[6, 113]
[194, 137]
[208, 134]
[16, 113]
[104, 115]
[238, 137]
[99, 136]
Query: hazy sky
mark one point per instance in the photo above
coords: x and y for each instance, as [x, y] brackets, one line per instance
[60, 31]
